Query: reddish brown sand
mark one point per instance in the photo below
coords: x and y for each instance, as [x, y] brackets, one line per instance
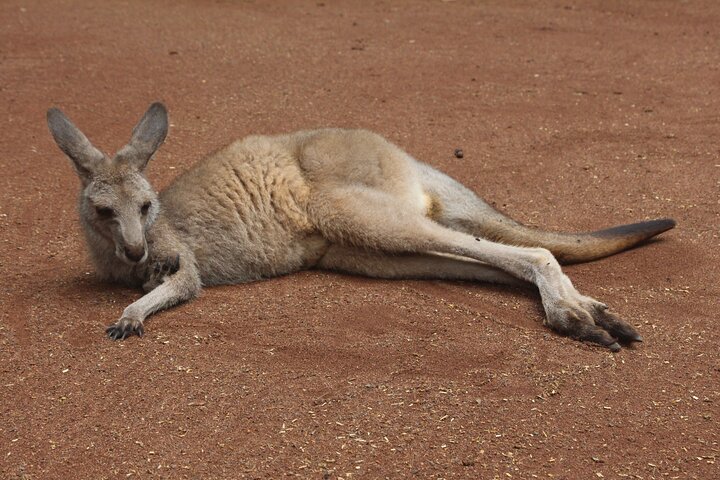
[571, 115]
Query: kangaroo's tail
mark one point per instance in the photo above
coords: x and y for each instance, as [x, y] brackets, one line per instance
[574, 247]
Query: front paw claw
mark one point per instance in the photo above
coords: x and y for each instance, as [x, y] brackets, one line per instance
[167, 266]
[125, 327]
[161, 269]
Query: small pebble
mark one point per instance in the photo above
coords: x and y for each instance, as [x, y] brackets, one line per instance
[458, 153]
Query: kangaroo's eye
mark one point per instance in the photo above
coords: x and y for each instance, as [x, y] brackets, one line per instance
[144, 209]
[105, 212]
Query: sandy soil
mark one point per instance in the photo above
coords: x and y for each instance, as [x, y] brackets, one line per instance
[571, 114]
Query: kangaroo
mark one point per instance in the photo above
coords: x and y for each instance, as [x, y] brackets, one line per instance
[344, 200]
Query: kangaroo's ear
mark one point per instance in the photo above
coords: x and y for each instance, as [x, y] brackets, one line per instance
[147, 136]
[71, 140]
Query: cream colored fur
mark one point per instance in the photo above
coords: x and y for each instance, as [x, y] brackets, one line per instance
[345, 200]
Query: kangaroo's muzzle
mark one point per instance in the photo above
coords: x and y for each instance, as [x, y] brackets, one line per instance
[135, 253]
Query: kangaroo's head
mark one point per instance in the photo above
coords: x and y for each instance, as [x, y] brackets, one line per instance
[117, 202]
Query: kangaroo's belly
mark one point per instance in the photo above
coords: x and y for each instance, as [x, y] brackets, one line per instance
[243, 212]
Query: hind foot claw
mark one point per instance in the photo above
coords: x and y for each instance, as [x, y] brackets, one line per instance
[589, 320]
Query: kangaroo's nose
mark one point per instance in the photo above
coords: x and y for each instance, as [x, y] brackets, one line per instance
[135, 253]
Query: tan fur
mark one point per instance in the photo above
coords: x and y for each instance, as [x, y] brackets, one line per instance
[433, 208]
[347, 200]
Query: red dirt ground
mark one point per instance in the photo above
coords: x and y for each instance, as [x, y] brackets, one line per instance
[572, 115]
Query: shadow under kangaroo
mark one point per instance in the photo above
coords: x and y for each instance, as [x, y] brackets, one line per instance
[345, 200]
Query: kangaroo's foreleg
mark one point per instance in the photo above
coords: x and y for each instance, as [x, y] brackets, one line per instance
[380, 264]
[177, 281]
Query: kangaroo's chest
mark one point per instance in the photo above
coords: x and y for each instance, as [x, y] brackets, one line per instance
[245, 218]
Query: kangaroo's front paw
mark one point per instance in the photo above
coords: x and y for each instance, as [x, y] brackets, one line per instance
[166, 266]
[590, 321]
[124, 328]
[160, 269]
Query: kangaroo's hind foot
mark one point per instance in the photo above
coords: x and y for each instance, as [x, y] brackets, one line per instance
[583, 318]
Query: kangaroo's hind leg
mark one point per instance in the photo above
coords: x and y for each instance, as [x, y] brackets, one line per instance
[455, 206]
[371, 219]
[379, 264]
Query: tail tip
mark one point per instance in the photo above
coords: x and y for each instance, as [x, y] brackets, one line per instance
[662, 224]
[639, 230]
